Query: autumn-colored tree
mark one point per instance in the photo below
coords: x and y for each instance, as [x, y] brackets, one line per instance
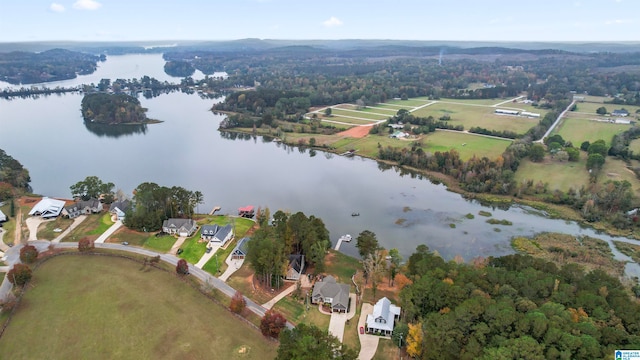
[238, 303]
[401, 280]
[28, 254]
[85, 244]
[182, 267]
[414, 340]
[272, 323]
[19, 275]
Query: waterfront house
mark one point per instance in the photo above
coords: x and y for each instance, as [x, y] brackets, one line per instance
[208, 231]
[181, 227]
[223, 235]
[241, 249]
[118, 208]
[382, 320]
[83, 207]
[295, 267]
[330, 292]
[47, 208]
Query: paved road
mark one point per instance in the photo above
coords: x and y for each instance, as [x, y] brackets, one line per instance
[105, 235]
[368, 343]
[556, 122]
[75, 224]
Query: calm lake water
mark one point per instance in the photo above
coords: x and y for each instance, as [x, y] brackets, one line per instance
[48, 136]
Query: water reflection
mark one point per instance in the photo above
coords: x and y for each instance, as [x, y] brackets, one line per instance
[115, 131]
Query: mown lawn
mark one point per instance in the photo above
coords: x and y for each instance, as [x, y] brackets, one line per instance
[341, 266]
[295, 311]
[92, 227]
[466, 145]
[387, 350]
[45, 230]
[81, 307]
[470, 116]
[9, 227]
[578, 130]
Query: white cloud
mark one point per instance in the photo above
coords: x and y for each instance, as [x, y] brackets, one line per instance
[332, 22]
[86, 5]
[55, 7]
[617, 22]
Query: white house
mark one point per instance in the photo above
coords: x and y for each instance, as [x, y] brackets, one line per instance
[382, 320]
[118, 208]
[47, 208]
[3, 217]
[529, 114]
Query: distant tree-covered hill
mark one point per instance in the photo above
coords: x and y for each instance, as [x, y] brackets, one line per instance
[103, 108]
[19, 67]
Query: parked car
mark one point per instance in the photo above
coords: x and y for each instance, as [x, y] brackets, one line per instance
[179, 251]
[361, 329]
[208, 250]
[125, 243]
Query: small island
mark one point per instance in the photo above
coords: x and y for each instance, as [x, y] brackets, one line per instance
[113, 109]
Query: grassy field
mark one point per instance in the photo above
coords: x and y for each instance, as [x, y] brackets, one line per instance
[106, 308]
[45, 230]
[91, 227]
[470, 116]
[360, 114]
[410, 103]
[590, 108]
[8, 227]
[294, 311]
[387, 350]
[578, 130]
[474, 145]
[563, 175]
[341, 266]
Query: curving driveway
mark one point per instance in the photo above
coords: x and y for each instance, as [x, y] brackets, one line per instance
[368, 342]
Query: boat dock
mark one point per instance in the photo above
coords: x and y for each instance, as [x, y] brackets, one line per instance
[214, 210]
[345, 238]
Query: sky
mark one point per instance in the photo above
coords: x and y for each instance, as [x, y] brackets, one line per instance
[462, 20]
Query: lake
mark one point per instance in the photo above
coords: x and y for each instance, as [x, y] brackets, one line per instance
[48, 136]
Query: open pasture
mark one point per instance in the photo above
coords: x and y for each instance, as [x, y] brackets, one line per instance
[472, 116]
[358, 114]
[467, 145]
[590, 108]
[579, 130]
[92, 307]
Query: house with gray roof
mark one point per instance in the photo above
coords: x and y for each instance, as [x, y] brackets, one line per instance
[118, 208]
[382, 320]
[241, 249]
[223, 235]
[207, 232]
[84, 207]
[181, 227]
[295, 267]
[328, 291]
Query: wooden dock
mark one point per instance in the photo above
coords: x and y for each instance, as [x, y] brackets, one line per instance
[214, 210]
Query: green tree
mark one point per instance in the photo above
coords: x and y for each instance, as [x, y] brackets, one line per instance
[28, 254]
[367, 243]
[601, 110]
[19, 275]
[308, 342]
[92, 188]
[574, 154]
[598, 147]
[595, 162]
[536, 153]
[327, 112]
[395, 259]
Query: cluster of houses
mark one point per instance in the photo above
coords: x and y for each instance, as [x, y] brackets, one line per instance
[49, 208]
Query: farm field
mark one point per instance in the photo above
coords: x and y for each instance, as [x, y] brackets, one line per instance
[564, 175]
[471, 116]
[579, 130]
[589, 107]
[81, 307]
[480, 146]
[360, 114]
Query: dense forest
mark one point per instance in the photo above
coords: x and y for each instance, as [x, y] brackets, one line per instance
[179, 68]
[103, 108]
[21, 67]
[514, 307]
